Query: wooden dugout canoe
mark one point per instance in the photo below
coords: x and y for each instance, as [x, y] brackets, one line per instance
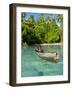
[49, 56]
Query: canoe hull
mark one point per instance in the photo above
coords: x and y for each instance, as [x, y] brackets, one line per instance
[49, 56]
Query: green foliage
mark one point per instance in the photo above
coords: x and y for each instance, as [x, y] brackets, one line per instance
[51, 37]
[43, 30]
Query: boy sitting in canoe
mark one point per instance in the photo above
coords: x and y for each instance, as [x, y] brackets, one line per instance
[39, 48]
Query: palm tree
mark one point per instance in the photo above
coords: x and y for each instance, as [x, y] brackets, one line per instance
[60, 21]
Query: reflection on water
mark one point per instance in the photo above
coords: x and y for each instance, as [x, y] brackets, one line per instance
[33, 65]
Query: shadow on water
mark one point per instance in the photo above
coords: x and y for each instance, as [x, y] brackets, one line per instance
[40, 73]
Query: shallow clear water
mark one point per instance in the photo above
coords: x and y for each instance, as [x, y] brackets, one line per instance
[33, 65]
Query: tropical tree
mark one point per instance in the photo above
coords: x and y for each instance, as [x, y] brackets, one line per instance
[46, 29]
[60, 26]
[60, 20]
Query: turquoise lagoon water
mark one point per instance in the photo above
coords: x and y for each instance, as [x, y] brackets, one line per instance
[33, 65]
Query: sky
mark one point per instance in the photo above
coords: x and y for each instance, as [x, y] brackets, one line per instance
[36, 15]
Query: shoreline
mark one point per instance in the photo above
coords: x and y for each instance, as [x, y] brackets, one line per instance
[45, 44]
[52, 44]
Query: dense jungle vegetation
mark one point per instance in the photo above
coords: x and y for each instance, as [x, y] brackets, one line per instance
[44, 29]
